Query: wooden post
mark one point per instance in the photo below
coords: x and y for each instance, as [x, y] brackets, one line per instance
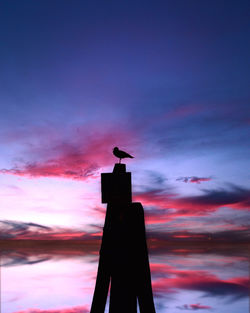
[123, 254]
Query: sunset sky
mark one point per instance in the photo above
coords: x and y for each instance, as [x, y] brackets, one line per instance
[166, 81]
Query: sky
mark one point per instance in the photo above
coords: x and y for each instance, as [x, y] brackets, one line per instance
[166, 81]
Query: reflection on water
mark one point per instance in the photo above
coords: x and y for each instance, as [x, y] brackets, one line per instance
[52, 280]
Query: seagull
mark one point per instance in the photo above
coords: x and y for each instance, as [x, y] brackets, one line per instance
[121, 154]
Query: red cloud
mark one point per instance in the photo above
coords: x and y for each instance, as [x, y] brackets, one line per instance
[76, 309]
[198, 306]
[194, 307]
[194, 179]
[78, 159]
[198, 180]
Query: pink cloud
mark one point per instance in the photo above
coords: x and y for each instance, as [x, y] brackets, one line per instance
[172, 279]
[182, 206]
[156, 197]
[193, 179]
[194, 307]
[198, 306]
[209, 201]
[78, 158]
[198, 180]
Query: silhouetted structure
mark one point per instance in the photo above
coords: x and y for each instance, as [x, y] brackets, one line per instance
[123, 254]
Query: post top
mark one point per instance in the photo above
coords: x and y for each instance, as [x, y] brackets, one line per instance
[119, 168]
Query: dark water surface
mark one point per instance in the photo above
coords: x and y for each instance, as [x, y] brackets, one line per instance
[61, 278]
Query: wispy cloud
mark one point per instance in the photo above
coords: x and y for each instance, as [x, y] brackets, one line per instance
[171, 279]
[194, 307]
[33, 231]
[193, 179]
[209, 201]
[78, 157]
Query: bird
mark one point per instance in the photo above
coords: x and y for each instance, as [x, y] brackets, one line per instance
[121, 154]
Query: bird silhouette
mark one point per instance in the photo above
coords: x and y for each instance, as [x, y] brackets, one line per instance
[121, 154]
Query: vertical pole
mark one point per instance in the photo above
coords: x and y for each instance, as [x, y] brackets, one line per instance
[123, 256]
[103, 273]
[102, 286]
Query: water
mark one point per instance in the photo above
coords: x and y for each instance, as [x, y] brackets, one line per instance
[61, 279]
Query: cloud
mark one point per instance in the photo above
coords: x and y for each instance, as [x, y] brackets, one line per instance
[194, 307]
[193, 179]
[209, 201]
[76, 309]
[54, 168]
[13, 259]
[156, 197]
[154, 216]
[236, 196]
[171, 279]
[159, 239]
[78, 157]
[31, 231]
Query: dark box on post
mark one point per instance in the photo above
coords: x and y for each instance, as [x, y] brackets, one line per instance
[116, 186]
